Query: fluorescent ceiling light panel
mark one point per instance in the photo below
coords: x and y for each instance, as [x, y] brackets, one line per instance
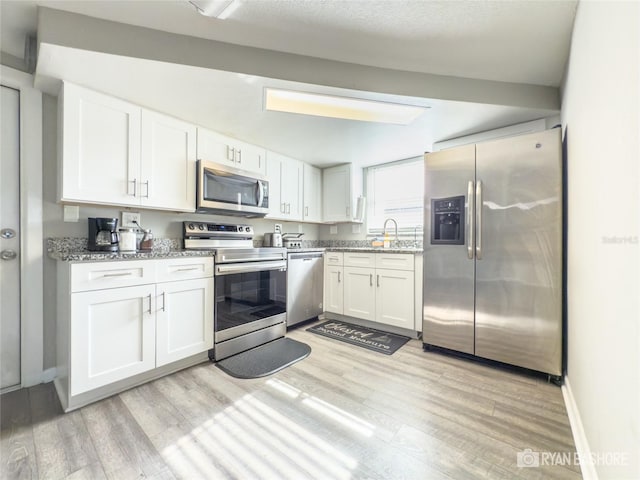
[340, 107]
[220, 9]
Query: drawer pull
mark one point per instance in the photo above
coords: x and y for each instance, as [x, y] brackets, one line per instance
[123, 274]
[187, 269]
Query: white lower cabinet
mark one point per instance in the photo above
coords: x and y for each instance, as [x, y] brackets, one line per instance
[394, 298]
[377, 287]
[333, 286]
[184, 323]
[113, 336]
[359, 293]
[122, 323]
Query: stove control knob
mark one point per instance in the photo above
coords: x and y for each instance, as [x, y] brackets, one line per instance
[240, 229]
[201, 226]
[248, 229]
[190, 226]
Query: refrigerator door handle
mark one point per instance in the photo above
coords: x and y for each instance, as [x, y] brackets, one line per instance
[470, 223]
[479, 220]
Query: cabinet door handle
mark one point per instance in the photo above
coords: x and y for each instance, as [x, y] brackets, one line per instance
[149, 303]
[306, 211]
[288, 208]
[239, 156]
[163, 301]
[338, 277]
[378, 280]
[135, 183]
[371, 279]
[283, 208]
[123, 274]
[147, 185]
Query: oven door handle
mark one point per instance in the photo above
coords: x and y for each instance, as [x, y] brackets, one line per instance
[250, 267]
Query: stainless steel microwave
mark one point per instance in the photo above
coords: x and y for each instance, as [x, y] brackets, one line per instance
[228, 191]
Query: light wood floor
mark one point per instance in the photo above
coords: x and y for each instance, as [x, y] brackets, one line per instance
[344, 412]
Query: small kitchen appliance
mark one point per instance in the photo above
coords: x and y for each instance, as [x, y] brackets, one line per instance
[229, 191]
[272, 239]
[292, 240]
[103, 234]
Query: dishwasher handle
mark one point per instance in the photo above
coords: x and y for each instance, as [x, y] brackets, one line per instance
[305, 256]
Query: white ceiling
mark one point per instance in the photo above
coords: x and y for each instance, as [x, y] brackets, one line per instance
[518, 41]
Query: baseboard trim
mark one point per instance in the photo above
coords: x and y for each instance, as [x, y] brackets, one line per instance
[49, 375]
[579, 437]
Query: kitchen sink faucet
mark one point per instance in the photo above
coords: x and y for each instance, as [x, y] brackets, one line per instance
[384, 228]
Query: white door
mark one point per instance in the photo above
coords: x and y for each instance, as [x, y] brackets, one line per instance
[312, 193]
[360, 293]
[336, 195]
[101, 148]
[184, 321]
[10, 240]
[333, 291]
[113, 335]
[291, 188]
[213, 147]
[168, 163]
[274, 175]
[251, 158]
[395, 298]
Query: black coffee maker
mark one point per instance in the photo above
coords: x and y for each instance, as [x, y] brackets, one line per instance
[103, 234]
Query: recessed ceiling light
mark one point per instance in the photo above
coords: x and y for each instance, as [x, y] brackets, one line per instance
[220, 9]
[348, 108]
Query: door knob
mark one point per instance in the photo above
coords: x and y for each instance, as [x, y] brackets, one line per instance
[7, 233]
[8, 255]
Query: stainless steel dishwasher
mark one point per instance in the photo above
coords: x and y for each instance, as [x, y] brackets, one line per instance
[305, 274]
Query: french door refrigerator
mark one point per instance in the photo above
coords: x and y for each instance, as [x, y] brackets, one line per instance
[493, 251]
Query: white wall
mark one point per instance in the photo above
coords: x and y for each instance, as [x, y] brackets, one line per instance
[600, 110]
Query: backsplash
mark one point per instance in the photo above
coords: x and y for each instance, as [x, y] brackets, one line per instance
[79, 244]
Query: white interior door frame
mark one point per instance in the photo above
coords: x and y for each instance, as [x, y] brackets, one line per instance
[31, 241]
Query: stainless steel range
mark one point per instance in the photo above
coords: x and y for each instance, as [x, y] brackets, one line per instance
[250, 286]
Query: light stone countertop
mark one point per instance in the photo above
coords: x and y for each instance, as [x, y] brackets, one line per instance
[88, 256]
[409, 250]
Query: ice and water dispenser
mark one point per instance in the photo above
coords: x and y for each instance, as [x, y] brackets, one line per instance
[447, 221]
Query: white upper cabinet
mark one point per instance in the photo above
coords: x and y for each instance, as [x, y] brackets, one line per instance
[168, 173]
[214, 147]
[341, 186]
[116, 153]
[99, 158]
[285, 177]
[312, 194]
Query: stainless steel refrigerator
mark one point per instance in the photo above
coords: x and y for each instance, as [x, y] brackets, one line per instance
[493, 251]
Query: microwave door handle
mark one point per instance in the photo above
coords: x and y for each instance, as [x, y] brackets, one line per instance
[260, 193]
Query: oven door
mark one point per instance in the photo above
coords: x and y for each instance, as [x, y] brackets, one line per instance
[226, 190]
[248, 297]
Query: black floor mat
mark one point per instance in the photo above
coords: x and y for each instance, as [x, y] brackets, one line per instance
[265, 359]
[376, 340]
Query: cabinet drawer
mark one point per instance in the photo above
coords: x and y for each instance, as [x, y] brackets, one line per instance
[395, 261]
[100, 275]
[184, 268]
[357, 259]
[333, 258]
